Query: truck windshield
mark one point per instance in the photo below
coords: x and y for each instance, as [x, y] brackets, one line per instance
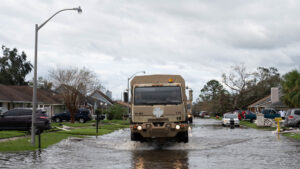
[157, 95]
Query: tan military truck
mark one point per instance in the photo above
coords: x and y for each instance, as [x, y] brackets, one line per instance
[159, 108]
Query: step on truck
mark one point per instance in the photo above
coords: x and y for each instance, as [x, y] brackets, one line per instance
[158, 108]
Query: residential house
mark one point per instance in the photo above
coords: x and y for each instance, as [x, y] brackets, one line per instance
[271, 101]
[21, 97]
[95, 100]
[100, 100]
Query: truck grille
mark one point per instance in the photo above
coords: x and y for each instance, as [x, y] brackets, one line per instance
[158, 124]
[158, 120]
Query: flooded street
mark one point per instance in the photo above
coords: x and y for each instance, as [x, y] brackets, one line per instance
[210, 146]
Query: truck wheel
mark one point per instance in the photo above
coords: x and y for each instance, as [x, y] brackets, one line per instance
[191, 120]
[182, 137]
[186, 137]
[134, 136]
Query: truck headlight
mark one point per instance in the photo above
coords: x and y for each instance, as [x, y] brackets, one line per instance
[177, 127]
[139, 128]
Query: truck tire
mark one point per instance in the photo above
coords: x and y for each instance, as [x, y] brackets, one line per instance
[134, 137]
[182, 137]
[191, 120]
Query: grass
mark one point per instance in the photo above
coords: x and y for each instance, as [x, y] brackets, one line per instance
[295, 136]
[24, 144]
[9, 134]
[49, 137]
[86, 132]
[76, 124]
[123, 122]
[253, 125]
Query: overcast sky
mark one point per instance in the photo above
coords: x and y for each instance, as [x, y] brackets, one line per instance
[198, 39]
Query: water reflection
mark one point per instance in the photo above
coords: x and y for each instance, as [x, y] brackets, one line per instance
[160, 159]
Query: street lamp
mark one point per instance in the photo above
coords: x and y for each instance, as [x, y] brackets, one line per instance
[128, 87]
[37, 28]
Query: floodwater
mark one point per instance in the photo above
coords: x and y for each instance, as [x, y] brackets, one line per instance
[210, 146]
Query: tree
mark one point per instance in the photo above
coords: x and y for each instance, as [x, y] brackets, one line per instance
[248, 87]
[265, 79]
[116, 112]
[214, 98]
[42, 83]
[14, 67]
[238, 81]
[74, 85]
[291, 88]
[211, 90]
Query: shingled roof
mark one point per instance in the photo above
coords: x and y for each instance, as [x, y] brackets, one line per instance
[24, 94]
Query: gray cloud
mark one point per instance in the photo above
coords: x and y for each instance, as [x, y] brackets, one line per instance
[197, 39]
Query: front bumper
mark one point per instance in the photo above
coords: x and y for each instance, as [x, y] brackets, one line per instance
[227, 123]
[159, 130]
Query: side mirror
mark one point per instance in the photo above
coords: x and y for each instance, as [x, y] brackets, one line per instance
[125, 95]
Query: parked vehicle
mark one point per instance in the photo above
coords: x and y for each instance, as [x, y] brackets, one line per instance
[20, 119]
[3, 109]
[82, 115]
[204, 114]
[270, 113]
[250, 116]
[230, 119]
[196, 114]
[292, 118]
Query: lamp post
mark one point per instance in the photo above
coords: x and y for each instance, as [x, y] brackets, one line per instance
[128, 87]
[37, 28]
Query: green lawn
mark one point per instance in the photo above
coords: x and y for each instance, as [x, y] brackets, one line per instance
[124, 122]
[52, 137]
[9, 134]
[253, 125]
[23, 144]
[295, 136]
[76, 124]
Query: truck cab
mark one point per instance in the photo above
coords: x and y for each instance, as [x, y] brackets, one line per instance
[158, 108]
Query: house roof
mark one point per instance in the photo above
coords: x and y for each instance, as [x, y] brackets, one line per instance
[278, 104]
[266, 102]
[122, 103]
[262, 102]
[24, 94]
[103, 95]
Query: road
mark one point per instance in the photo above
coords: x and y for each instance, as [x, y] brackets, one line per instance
[210, 146]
